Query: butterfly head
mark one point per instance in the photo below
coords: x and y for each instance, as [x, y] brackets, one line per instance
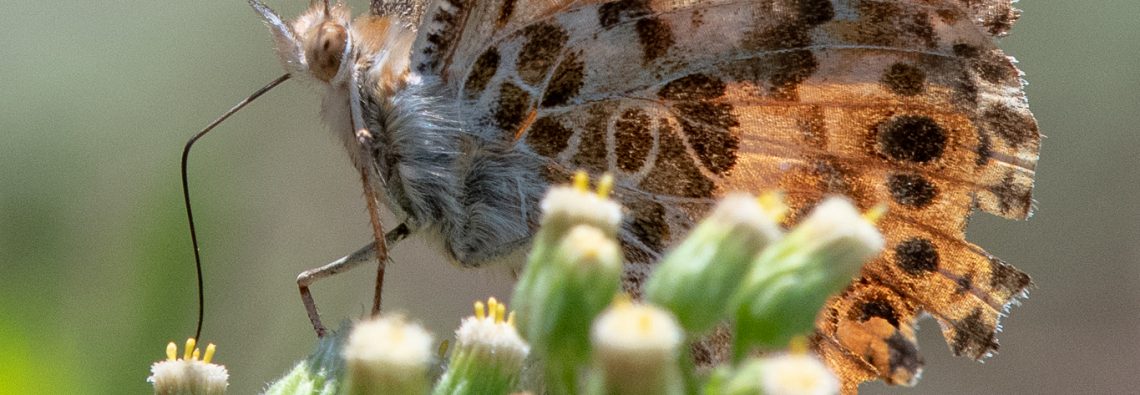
[317, 43]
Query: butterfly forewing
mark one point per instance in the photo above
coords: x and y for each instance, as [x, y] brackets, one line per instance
[908, 103]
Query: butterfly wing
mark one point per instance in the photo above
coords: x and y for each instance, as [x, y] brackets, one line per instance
[905, 102]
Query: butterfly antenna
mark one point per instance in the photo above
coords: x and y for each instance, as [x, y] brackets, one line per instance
[186, 189]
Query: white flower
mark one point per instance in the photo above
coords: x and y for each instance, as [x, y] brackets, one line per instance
[797, 374]
[493, 334]
[760, 214]
[387, 355]
[637, 332]
[565, 206]
[489, 354]
[189, 374]
[588, 245]
[636, 349]
[836, 222]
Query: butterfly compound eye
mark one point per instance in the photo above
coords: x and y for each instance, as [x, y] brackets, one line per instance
[324, 48]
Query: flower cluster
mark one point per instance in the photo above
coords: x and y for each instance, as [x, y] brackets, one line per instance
[576, 333]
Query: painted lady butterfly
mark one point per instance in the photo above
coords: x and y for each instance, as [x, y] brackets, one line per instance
[463, 112]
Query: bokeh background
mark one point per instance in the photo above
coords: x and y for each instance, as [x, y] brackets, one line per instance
[97, 98]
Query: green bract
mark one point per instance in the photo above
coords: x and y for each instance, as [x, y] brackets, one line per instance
[319, 374]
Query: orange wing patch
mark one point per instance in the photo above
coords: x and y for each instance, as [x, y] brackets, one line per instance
[904, 102]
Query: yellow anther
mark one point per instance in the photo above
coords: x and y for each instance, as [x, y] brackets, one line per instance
[581, 181]
[500, 313]
[605, 185]
[443, 345]
[875, 213]
[210, 349]
[190, 343]
[798, 345]
[511, 318]
[480, 312]
[492, 307]
[195, 355]
[171, 351]
[772, 202]
[645, 323]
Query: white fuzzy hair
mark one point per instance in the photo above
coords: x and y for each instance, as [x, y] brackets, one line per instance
[477, 192]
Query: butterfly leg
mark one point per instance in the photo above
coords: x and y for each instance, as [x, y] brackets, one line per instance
[365, 138]
[362, 255]
[380, 243]
[378, 249]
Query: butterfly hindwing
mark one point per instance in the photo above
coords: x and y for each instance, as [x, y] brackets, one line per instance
[908, 103]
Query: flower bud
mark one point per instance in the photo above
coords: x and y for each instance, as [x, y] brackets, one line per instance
[789, 282]
[574, 266]
[695, 280]
[387, 355]
[489, 354]
[565, 294]
[636, 351]
[319, 374]
[188, 375]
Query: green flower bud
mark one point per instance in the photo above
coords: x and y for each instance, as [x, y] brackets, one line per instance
[387, 355]
[696, 280]
[188, 375]
[565, 207]
[787, 374]
[304, 379]
[566, 293]
[489, 354]
[636, 351]
[789, 282]
[319, 374]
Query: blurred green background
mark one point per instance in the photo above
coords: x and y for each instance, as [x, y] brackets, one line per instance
[97, 98]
